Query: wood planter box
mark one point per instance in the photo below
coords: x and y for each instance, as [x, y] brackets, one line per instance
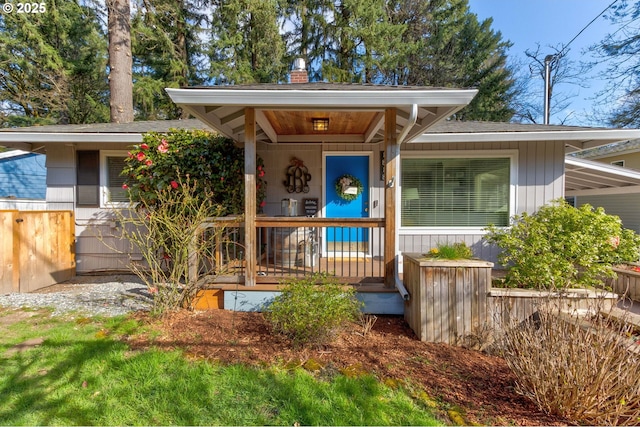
[627, 283]
[506, 306]
[448, 297]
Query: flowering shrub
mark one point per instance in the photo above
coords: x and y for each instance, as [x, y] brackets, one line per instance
[561, 246]
[211, 161]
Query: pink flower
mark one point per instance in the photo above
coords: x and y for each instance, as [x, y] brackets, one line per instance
[614, 241]
[125, 187]
[148, 162]
[129, 154]
[144, 146]
[263, 204]
[174, 184]
[164, 146]
[261, 174]
[259, 168]
[153, 290]
[140, 156]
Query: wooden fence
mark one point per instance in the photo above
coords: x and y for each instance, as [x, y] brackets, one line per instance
[37, 249]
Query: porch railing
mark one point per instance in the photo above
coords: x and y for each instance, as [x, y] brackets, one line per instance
[349, 248]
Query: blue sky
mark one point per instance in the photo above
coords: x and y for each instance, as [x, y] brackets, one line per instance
[552, 23]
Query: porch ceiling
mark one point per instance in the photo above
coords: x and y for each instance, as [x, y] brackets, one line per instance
[285, 113]
[589, 178]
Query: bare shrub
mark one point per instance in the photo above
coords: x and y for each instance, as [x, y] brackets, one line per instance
[367, 321]
[576, 365]
[168, 232]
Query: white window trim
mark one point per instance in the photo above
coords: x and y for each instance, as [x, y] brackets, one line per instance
[466, 154]
[104, 181]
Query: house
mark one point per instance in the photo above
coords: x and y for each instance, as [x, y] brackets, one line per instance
[22, 180]
[420, 179]
[620, 194]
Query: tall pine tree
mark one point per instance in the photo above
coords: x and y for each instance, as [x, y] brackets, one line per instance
[246, 46]
[52, 66]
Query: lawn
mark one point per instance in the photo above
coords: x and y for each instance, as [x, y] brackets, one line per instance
[80, 371]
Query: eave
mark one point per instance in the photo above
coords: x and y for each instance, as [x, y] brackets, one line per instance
[278, 105]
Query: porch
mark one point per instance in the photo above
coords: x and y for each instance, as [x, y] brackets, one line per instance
[349, 249]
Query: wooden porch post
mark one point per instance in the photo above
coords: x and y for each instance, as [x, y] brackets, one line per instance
[392, 151]
[250, 207]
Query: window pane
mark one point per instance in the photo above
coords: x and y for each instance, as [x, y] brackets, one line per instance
[455, 192]
[115, 180]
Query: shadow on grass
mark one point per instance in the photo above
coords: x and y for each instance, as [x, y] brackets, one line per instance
[102, 382]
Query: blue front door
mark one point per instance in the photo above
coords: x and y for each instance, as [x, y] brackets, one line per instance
[336, 166]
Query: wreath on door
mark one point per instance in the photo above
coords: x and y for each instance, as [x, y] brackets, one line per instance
[346, 181]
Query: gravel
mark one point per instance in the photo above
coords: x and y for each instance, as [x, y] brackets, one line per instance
[91, 295]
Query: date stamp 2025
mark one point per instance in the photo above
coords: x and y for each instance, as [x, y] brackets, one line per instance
[26, 8]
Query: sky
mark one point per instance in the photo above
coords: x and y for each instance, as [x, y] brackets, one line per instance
[527, 23]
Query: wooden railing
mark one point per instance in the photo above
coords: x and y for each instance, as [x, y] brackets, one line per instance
[349, 248]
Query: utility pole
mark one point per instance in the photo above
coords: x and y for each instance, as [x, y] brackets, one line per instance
[547, 87]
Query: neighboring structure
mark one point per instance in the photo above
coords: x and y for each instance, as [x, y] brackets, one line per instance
[425, 180]
[22, 180]
[619, 195]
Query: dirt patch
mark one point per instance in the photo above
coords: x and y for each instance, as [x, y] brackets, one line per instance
[480, 385]
[23, 346]
[8, 318]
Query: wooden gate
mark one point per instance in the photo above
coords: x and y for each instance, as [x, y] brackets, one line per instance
[37, 249]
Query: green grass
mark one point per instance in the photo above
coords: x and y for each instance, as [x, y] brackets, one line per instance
[82, 374]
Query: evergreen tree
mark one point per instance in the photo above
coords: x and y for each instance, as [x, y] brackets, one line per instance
[167, 53]
[246, 46]
[446, 46]
[52, 66]
[120, 61]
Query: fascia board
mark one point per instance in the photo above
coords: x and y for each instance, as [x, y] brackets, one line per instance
[602, 136]
[44, 137]
[602, 167]
[273, 99]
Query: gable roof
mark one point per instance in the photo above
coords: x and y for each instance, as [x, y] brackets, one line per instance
[284, 112]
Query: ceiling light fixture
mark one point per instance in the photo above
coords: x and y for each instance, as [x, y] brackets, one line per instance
[321, 125]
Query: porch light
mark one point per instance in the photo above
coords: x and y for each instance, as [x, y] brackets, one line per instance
[321, 125]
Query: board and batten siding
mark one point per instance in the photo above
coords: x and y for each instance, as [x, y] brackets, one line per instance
[96, 229]
[625, 206]
[540, 179]
[539, 176]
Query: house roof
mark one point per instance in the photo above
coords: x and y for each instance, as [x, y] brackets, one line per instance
[587, 178]
[284, 113]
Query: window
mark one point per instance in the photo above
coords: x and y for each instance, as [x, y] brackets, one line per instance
[112, 163]
[98, 178]
[455, 192]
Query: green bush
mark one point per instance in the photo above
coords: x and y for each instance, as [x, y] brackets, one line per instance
[313, 309]
[560, 246]
[213, 162]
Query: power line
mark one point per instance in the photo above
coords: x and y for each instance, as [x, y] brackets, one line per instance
[586, 26]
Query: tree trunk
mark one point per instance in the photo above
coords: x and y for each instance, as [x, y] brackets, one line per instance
[120, 61]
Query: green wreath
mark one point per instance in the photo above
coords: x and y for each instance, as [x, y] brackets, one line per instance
[345, 181]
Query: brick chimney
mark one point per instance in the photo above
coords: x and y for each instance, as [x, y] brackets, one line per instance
[299, 72]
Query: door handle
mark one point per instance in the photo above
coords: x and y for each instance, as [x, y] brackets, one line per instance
[366, 209]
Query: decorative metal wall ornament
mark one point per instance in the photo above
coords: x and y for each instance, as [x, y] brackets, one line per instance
[298, 177]
[348, 187]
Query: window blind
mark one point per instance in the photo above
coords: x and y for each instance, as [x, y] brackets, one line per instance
[471, 192]
[115, 179]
